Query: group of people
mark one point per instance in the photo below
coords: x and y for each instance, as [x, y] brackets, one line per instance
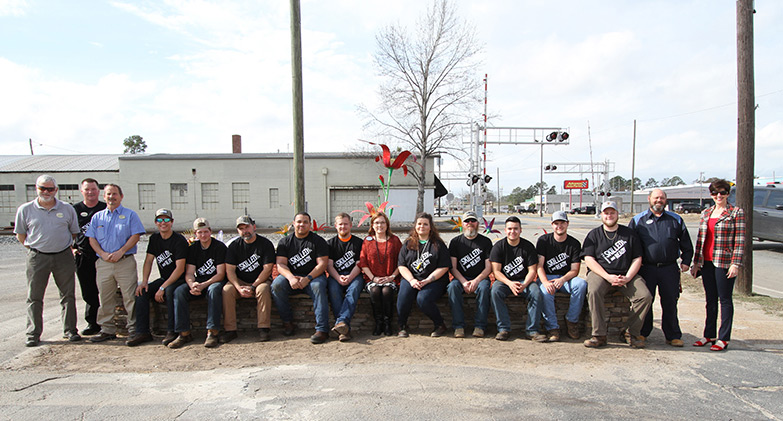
[101, 239]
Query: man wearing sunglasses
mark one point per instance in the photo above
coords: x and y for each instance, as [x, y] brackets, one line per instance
[169, 250]
[47, 227]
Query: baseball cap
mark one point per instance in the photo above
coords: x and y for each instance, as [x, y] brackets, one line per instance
[163, 212]
[245, 220]
[201, 223]
[559, 216]
[608, 204]
[469, 215]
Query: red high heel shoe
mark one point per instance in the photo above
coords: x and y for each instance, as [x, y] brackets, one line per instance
[704, 341]
[719, 346]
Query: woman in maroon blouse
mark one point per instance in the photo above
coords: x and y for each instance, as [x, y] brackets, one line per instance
[719, 250]
[378, 262]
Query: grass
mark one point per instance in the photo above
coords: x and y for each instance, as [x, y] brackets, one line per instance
[770, 305]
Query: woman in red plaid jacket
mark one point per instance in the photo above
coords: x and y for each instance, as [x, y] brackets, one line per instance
[719, 250]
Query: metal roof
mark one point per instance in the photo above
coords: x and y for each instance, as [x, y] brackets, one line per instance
[59, 163]
[311, 155]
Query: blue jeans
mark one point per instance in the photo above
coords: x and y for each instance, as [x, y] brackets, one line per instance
[533, 294]
[316, 289]
[182, 297]
[425, 299]
[143, 305]
[576, 287]
[344, 298]
[456, 291]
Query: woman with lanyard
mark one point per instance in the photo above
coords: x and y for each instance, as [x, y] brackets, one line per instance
[718, 255]
[424, 264]
[378, 261]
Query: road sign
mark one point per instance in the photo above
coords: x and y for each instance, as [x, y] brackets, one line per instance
[575, 184]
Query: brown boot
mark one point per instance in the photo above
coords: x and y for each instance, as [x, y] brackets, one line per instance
[573, 330]
[596, 342]
[638, 342]
[554, 335]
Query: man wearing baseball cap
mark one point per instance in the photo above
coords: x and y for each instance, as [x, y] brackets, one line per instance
[169, 250]
[249, 263]
[470, 267]
[558, 266]
[613, 255]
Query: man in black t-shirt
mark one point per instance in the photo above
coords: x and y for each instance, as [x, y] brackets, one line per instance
[205, 275]
[84, 255]
[169, 250]
[249, 262]
[558, 267]
[514, 262]
[302, 259]
[345, 282]
[470, 267]
[613, 255]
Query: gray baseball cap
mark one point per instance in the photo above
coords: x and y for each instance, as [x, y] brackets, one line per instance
[469, 215]
[608, 204]
[163, 212]
[559, 216]
[245, 220]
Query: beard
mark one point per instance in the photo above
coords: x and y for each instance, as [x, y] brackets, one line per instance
[46, 199]
[657, 208]
[469, 232]
[610, 224]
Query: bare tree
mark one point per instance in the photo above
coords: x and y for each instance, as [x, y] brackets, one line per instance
[430, 85]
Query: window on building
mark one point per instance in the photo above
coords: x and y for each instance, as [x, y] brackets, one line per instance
[30, 192]
[240, 195]
[7, 198]
[146, 196]
[274, 198]
[179, 196]
[209, 196]
[69, 193]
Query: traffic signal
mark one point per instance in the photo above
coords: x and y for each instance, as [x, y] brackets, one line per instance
[550, 167]
[559, 136]
[473, 179]
[487, 179]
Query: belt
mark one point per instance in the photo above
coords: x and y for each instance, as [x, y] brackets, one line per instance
[43, 252]
[660, 265]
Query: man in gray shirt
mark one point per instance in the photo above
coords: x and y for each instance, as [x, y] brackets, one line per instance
[47, 227]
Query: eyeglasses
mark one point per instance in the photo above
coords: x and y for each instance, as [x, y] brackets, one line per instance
[719, 193]
[47, 189]
[163, 219]
[469, 221]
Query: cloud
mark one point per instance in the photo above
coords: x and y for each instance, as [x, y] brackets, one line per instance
[13, 7]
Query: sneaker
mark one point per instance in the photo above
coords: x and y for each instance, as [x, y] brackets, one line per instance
[263, 334]
[212, 340]
[596, 342]
[91, 330]
[503, 335]
[72, 336]
[676, 343]
[345, 337]
[139, 339]
[319, 337]
[288, 329]
[459, 332]
[103, 337]
[638, 342]
[439, 331]
[180, 341]
[340, 329]
[573, 330]
[403, 333]
[478, 332]
[170, 336]
[228, 336]
[553, 335]
[537, 337]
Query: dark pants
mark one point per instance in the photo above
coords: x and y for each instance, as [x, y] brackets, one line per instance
[143, 305]
[718, 287]
[85, 271]
[667, 280]
[425, 299]
[382, 301]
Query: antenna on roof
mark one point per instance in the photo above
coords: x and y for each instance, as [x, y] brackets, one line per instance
[31, 147]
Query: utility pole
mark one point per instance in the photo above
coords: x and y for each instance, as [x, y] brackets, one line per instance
[296, 79]
[746, 126]
[633, 167]
[31, 146]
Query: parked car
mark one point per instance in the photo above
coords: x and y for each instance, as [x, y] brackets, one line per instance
[527, 210]
[584, 210]
[688, 207]
[767, 211]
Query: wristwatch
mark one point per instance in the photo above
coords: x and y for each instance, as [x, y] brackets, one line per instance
[161, 289]
[309, 277]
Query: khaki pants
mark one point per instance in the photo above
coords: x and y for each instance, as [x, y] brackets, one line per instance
[39, 266]
[109, 277]
[263, 306]
[636, 292]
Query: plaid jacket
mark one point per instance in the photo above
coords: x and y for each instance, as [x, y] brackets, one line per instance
[729, 237]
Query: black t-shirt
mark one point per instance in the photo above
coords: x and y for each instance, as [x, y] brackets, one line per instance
[613, 251]
[167, 252]
[84, 215]
[250, 258]
[470, 254]
[345, 254]
[302, 252]
[206, 261]
[558, 256]
[426, 259]
[514, 260]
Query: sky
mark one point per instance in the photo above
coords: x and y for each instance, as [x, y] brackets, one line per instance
[78, 77]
